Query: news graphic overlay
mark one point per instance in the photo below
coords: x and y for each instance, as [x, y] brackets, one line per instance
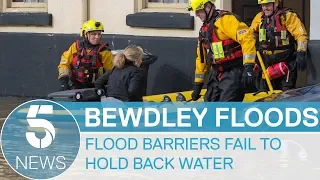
[40, 139]
[187, 141]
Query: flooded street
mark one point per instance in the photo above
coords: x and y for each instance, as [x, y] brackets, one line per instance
[7, 104]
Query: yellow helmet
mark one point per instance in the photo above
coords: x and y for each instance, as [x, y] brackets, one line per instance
[266, 1]
[198, 4]
[91, 25]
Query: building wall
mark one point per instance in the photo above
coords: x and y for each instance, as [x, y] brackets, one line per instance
[314, 44]
[314, 20]
[67, 20]
[31, 52]
[30, 57]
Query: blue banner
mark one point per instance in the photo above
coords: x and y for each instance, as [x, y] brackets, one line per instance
[188, 117]
[42, 139]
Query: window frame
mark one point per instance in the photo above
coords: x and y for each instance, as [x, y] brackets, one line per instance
[9, 6]
[145, 6]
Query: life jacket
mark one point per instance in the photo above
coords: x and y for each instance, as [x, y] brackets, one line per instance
[87, 67]
[273, 35]
[218, 51]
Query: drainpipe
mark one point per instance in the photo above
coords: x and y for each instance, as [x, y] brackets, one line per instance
[226, 5]
[84, 11]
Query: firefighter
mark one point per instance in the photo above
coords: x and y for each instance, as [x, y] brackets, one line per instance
[282, 41]
[225, 54]
[85, 60]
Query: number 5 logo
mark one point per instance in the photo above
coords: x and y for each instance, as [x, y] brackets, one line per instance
[40, 123]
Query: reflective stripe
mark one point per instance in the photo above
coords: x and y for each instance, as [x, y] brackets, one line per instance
[100, 71]
[64, 71]
[285, 42]
[302, 44]
[265, 1]
[201, 76]
[242, 31]
[217, 50]
[283, 34]
[248, 61]
[198, 80]
[63, 61]
[282, 70]
[262, 35]
[249, 56]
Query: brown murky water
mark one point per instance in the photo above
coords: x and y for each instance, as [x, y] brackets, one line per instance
[7, 104]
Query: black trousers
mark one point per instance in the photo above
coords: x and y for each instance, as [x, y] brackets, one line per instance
[225, 86]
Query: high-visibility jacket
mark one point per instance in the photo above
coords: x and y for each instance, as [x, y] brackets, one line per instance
[222, 40]
[84, 65]
[279, 35]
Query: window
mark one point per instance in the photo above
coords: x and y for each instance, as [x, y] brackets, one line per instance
[160, 13]
[25, 5]
[167, 3]
[163, 5]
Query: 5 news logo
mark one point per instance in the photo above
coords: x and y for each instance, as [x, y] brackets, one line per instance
[40, 139]
[40, 123]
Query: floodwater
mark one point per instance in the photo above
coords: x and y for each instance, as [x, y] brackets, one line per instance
[8, 104]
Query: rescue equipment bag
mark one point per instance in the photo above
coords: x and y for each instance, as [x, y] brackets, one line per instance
[277, 70]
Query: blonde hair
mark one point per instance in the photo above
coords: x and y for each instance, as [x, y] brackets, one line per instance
[131, 53]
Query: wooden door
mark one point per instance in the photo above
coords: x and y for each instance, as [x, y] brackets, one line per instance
[302, 7]
[246, 9]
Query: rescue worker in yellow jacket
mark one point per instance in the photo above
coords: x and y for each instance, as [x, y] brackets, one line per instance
[225, 54]
[282, 40]
[85, 60]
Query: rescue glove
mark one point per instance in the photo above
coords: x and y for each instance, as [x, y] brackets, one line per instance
[247, 76]
[64, 83]
[301, 62]
[196, 91]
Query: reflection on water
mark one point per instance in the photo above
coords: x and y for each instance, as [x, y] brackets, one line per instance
[6, 173]
[15, 142]
[7, 104]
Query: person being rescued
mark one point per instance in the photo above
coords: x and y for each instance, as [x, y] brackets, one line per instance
[85, 60]
[225, 54]
[281, 38]
[125, 80]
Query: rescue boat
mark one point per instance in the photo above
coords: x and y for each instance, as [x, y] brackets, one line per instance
[92, 94]
[249, 97]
